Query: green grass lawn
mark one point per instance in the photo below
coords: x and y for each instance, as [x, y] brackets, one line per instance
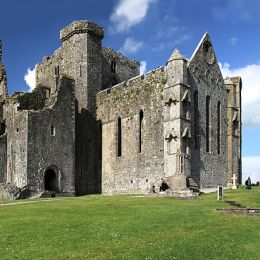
[129, 227]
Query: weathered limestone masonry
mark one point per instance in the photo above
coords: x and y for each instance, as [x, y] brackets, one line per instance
[36, 134]
[209, 153]
[94, 125]
[234, 86]
[3, 77]
[93, 68]
[3, 137]
[51, 145]
[131, 113]
[177, 125]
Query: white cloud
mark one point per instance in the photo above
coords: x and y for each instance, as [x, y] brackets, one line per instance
[251, 168]
[131, 45]
[233, 41]
[129, 13]
[250, 91]
[143, 67]
[30, 78]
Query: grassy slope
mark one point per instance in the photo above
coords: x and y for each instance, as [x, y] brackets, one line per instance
[127, 227]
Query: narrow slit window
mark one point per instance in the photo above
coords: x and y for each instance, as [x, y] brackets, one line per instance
[208, 124]
[119, 137]
[80, 71]
[52, 130]
[219, 128]
[141, 117]
[113, 66]
[196, 117]
[57, 70]
[2, 128]
[47, 92]
[182, 163]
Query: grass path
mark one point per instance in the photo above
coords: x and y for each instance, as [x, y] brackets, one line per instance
[24, 202]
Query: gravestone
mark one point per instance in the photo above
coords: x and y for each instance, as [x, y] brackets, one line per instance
[220, 193]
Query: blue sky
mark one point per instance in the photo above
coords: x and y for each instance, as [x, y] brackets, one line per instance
[148, 31]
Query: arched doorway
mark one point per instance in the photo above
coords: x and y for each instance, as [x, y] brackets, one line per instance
[51, 182]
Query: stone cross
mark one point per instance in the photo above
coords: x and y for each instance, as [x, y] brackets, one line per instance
[234, 186]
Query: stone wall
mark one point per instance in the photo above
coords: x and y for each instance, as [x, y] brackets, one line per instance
[117, 68]
[103, 128]
[234, 166]
[208, 168]
[133, 171]
[3, 82]
[17, 132]
[82, 58]
[3, 162]
[51, 140]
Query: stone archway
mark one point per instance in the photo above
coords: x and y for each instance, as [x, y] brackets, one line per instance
[51, 180]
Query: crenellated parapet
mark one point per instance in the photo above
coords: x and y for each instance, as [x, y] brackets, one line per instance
[3, 77]
[1, 50]
[79, 27]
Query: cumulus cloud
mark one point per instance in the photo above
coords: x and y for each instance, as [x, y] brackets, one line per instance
[143, 67]
[250, 91]
[30, 78]
[233, 41]
[129, 13]
[131, 45]
[251, 168]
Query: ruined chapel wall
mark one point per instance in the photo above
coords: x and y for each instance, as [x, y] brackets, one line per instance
[17, 131]
[45, 70]
[132, 171]
[124, 68]
[3, 155]
[47, 149]
[208, 168]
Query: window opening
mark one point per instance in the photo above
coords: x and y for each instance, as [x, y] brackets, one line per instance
[208, 124]
[141, 117]
[219, 128]
[119, 137]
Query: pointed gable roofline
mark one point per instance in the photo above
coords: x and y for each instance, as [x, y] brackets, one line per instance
[204, 38]
[176, 55]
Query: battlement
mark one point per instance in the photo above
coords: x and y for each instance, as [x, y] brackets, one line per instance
[79, 27]
[0, 50]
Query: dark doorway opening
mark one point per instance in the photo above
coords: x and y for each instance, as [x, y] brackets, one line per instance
[51, 181]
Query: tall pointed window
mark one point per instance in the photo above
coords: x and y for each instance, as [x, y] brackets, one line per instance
[208, 137]
[141, 117]
[119, 137]
[196, 117]
[219, 128]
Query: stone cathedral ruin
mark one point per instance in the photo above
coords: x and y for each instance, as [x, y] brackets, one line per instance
[94, 125]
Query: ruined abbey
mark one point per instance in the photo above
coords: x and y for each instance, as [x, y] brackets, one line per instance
[94, 125]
